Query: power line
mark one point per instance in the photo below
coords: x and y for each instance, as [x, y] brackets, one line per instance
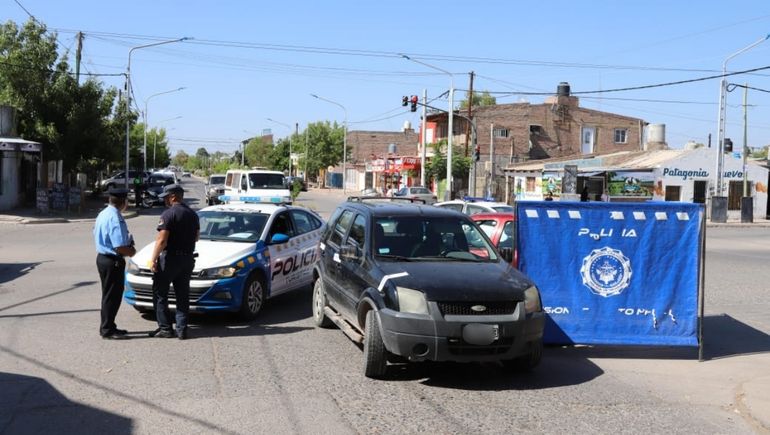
[28, 68]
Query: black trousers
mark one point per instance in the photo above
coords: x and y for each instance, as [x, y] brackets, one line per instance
[177, 271]
[112, 273]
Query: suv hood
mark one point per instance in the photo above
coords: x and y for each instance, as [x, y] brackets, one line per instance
[460, 281]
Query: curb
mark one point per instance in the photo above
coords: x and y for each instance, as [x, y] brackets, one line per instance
[54, 220]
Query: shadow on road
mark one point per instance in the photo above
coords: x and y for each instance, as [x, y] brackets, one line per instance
[58, 292]
[32, 405]
[554, 371]
[287, 308]
[11, 271]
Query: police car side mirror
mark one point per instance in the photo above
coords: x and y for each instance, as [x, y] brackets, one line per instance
[349, 252]
[507, 254]
[279, 238]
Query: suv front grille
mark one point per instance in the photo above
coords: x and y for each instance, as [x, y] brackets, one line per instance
[464, 308]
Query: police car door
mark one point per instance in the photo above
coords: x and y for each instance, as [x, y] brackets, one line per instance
[282, 255]
[307, 230]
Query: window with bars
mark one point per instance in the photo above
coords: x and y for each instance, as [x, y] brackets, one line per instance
[500, 132]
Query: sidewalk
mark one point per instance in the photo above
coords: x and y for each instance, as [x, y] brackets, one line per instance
[88, 211]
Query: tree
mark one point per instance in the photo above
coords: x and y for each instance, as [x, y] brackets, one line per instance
[279, 156]
[324, 148]
[180, 159]
[436, 167]
[258, 152]
[479, 99]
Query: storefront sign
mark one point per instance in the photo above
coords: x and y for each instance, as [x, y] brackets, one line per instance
[631, 183]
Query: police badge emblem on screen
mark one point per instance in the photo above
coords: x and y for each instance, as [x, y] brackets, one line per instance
[606, 271]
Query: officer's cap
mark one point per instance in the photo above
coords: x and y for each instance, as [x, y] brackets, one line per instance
[171, 188]
[118, 192]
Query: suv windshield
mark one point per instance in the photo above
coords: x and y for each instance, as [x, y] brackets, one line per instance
[266, 181]
[420, 237]
[231, 226]
[217, 180]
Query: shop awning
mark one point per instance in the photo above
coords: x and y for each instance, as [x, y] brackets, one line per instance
[19, 144]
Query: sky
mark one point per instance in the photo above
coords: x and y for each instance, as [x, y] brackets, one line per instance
[249, 61]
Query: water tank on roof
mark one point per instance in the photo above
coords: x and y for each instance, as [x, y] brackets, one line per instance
[407, 126]
[563, 89]
[656, 133]
[391, 148]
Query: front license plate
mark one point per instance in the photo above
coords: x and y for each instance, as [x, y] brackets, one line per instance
[480, 334]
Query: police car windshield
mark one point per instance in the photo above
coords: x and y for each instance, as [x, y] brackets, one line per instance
[231, 226]
[266, 181]
[420, 238]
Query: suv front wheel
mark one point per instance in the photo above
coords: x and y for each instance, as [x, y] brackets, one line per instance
[375, 354]
[319, 303]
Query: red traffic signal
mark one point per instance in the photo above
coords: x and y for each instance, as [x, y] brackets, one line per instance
[414, 101]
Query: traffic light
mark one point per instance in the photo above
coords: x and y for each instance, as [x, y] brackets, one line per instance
[414, 103]
[405, 101]
[728, 145]
[476, 154]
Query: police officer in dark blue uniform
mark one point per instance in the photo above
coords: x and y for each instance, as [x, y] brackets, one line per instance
[113, 242]
[173, 262]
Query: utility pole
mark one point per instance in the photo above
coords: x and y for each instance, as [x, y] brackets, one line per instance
[78, 55]
[491, 160]
[470, 112]
[424, 136]
[745, 137]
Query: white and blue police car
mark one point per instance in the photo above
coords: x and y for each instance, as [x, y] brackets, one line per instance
[246, 254]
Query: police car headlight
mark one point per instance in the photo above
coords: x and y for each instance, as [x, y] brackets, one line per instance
[411, 301]
[532, 300]
[219, 272]
[132, 267]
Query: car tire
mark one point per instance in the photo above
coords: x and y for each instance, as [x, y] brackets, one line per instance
[526, 362]
[375, 354]
[319, 303]
[253, 298]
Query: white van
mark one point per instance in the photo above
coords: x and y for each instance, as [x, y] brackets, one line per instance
[255, 185]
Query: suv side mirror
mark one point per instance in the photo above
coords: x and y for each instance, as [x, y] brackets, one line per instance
[507, 254]
[349, 252]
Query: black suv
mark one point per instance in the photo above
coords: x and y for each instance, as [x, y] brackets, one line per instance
[416, 282]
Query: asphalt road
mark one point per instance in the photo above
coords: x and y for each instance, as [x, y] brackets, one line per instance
[280, 374]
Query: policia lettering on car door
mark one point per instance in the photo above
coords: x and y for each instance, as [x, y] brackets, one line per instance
[291, 262]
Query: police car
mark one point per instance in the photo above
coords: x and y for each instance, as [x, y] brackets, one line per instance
[246, 254]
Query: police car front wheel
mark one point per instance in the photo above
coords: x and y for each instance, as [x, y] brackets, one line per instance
[253, 297]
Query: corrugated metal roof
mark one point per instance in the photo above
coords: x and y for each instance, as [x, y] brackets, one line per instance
[628, 160]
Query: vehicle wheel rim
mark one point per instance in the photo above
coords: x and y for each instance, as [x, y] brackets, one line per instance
[318, 302]
[255, 297]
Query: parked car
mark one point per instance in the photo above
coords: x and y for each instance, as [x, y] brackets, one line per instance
[471, 206]
[247, 253]
[370, 191]
[118, 179]
[214, 188]
[291, 180]
[416, 282]
[499, 227]
[417, 192]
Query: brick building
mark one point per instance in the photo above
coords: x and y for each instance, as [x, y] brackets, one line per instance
[558, 127]
[379, 158]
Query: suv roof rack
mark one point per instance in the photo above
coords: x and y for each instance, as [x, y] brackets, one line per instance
[384, 198]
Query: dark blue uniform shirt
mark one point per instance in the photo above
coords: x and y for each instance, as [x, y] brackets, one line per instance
[183, 225]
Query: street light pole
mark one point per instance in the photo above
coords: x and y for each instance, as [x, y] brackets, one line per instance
[424, 136]
[146, 117]
[128, 92]
[718, 188]
[344, 140]
[289, 127]
[450, 132]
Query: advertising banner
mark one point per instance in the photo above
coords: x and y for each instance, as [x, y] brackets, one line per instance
[614, 273]
[631, 183]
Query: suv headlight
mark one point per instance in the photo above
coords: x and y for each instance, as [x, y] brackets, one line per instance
[132, 267]
[411, 301]
[219, 272]
[532, 300]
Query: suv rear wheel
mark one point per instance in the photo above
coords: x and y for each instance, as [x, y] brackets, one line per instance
[375, 354]
[526, 362]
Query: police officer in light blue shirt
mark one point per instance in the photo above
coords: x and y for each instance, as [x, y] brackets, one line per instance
[113, 242]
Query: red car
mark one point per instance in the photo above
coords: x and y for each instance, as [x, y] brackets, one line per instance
[499, 228]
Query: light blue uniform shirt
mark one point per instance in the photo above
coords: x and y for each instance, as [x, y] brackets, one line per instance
[110, 231]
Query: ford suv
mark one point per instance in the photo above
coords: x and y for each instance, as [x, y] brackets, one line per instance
[415, 282]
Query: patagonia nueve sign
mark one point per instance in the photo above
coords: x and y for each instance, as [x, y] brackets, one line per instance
[676, 172]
